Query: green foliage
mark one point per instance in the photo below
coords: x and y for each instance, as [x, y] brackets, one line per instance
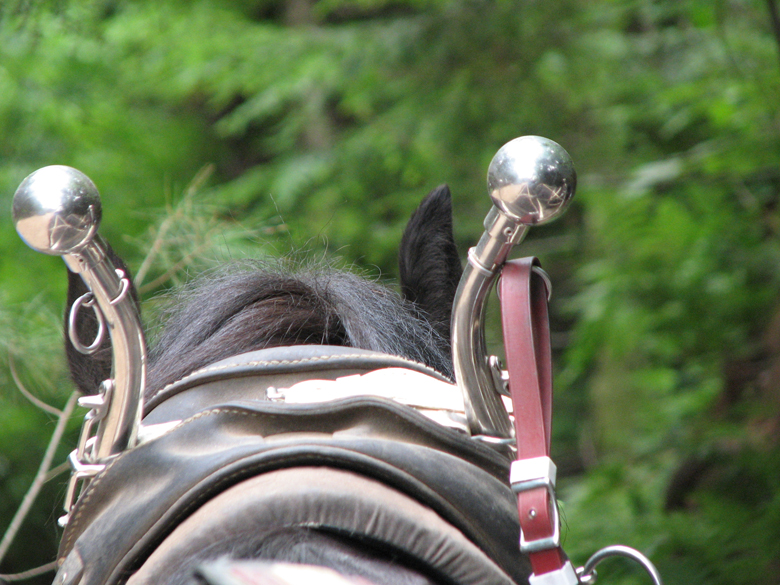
[674, 344]
[225, 128]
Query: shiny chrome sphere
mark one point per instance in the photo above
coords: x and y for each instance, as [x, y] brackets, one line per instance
[57, 210]
[531, 179]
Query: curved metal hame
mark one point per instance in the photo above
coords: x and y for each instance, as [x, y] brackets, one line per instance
[531, 180]
[57, 211]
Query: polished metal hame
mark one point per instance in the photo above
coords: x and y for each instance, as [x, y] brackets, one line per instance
[531, 180]
[57, 211]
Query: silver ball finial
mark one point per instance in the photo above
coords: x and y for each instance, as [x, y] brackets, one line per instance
[531, 179]
[57, 210]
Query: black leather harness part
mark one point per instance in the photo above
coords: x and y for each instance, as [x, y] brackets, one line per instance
[330, 501]
[249, 375]
[145, 493]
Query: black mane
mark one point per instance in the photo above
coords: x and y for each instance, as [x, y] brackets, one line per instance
[251, 305]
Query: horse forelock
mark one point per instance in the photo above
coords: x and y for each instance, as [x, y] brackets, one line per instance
[250, 305]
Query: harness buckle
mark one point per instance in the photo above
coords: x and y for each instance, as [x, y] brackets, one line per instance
[530, 474]
[84, 461]
[80, 477]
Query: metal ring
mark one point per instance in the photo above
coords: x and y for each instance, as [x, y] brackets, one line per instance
[491, 440]
[87, 300]
[124, 282]
[546, 278]
[587, 574]
[478, 266]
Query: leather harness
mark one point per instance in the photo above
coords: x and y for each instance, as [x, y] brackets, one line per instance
[218, 429]
[231, 433]
[524, 294]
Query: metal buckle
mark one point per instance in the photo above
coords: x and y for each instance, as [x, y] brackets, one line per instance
[83, 460]
[531, 474]
[528, 474]
[546, 278]
[81, 475]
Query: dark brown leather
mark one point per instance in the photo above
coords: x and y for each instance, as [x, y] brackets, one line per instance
[332, 501]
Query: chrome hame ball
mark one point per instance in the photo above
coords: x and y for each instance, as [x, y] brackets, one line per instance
[57, 210]
[531, 179]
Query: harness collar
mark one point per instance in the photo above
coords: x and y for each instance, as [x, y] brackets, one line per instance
[309, 374]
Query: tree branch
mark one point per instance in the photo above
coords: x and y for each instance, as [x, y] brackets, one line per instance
[57, 471]
[42, 570]
[40, 477]
[27, 394]
[159, 240]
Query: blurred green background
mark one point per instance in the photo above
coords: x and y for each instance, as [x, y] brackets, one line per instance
[221, 129]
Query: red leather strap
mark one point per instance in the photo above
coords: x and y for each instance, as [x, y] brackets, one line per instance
[523, 295]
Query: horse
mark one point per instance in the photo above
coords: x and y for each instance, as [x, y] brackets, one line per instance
[233, 468]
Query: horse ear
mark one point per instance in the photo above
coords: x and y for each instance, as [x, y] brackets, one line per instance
[88, 371]
[428, 259]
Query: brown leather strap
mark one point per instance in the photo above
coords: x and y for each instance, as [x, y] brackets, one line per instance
[523, 295]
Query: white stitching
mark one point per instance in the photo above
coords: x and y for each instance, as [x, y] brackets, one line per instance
[325, 358]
